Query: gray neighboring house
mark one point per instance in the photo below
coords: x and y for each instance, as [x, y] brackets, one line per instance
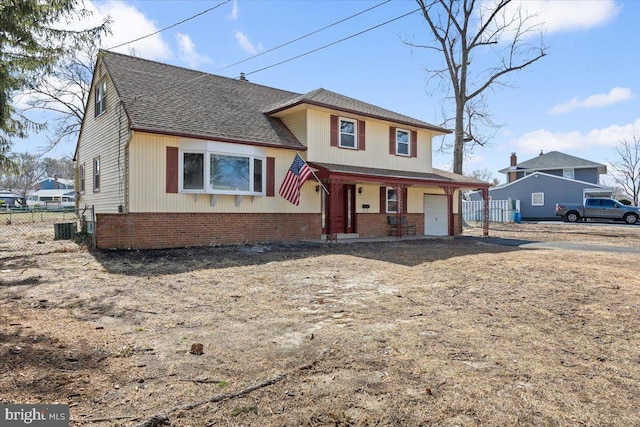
[547, 179]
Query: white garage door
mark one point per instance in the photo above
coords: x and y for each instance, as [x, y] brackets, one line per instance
[435, 215]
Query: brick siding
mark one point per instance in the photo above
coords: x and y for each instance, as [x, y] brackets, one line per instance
[175, 230]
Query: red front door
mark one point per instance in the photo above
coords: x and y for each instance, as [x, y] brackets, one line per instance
[344, 212]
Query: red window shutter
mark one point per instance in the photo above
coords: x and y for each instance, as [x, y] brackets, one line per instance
[361, 135]
[404, 200]
[414, 143]
[172, 170]
[334, 131]
[383, 199]
[271, 179]
[392, 140]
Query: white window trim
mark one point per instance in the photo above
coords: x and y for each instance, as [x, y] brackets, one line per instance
[398, 153]
[355, 133]
[100, 97]
[96, 173]
[533, 199]
[210, 148]
[82, 178]
[387, 200]
[573, 173]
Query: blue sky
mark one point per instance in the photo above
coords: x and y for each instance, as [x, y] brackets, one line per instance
[581, 99]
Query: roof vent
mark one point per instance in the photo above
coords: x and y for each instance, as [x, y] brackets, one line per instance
[243, 78]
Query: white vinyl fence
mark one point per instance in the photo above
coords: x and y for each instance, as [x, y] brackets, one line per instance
[499, 210]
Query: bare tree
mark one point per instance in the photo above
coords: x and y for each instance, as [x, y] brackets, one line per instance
[28, 171]
[462, 29]
[626, 168]
[485, 175]
[62, 167]
[65, 91]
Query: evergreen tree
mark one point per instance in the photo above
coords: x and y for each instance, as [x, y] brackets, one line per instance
[32, 41]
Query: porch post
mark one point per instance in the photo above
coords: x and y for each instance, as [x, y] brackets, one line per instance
[485, 219]
[399, 205]
[449, 191]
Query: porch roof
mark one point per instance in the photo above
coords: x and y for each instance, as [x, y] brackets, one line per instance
[365, 174]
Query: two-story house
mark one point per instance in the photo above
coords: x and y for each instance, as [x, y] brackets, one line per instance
[549, 178]
[55, 183]
[172, 157]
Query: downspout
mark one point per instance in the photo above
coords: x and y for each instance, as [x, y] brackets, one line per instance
[123, 163]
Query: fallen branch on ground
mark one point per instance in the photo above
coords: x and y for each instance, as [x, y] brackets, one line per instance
[163, 416]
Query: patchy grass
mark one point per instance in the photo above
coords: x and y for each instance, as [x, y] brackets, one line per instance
[456, 332]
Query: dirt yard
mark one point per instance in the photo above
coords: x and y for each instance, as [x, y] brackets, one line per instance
[457, 332]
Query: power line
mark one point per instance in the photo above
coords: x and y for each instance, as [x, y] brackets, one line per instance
[305, 36]
[171, 26]
[333, 43]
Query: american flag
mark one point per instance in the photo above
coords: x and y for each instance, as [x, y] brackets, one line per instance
[293, 180]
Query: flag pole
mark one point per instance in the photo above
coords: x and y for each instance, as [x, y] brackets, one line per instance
[314, 174]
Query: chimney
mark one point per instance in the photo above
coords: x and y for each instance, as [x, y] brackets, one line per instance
[55, 181]
[512, 176]
[243, 78]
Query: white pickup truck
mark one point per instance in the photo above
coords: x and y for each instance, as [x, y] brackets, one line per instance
[600, 208]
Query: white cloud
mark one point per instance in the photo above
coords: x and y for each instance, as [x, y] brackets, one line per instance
[615, 95]
[234, 11]
[128, 24]
[553, 16]
[568, 15]
[187, 52]
[246, 45]
[545, 140]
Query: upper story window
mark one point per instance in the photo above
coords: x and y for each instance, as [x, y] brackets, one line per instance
[101, 97]
[348, 133]
[402, 142]
[207, 171]
[568, 173]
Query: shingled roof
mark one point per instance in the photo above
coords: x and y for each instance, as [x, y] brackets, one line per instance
[166, 99]
[556, 160]
[171, 100]
[436, 176]
[325, 98]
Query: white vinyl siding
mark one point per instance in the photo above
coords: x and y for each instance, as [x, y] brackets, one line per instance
[104, 137]
[377, 140]
[148, 183]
